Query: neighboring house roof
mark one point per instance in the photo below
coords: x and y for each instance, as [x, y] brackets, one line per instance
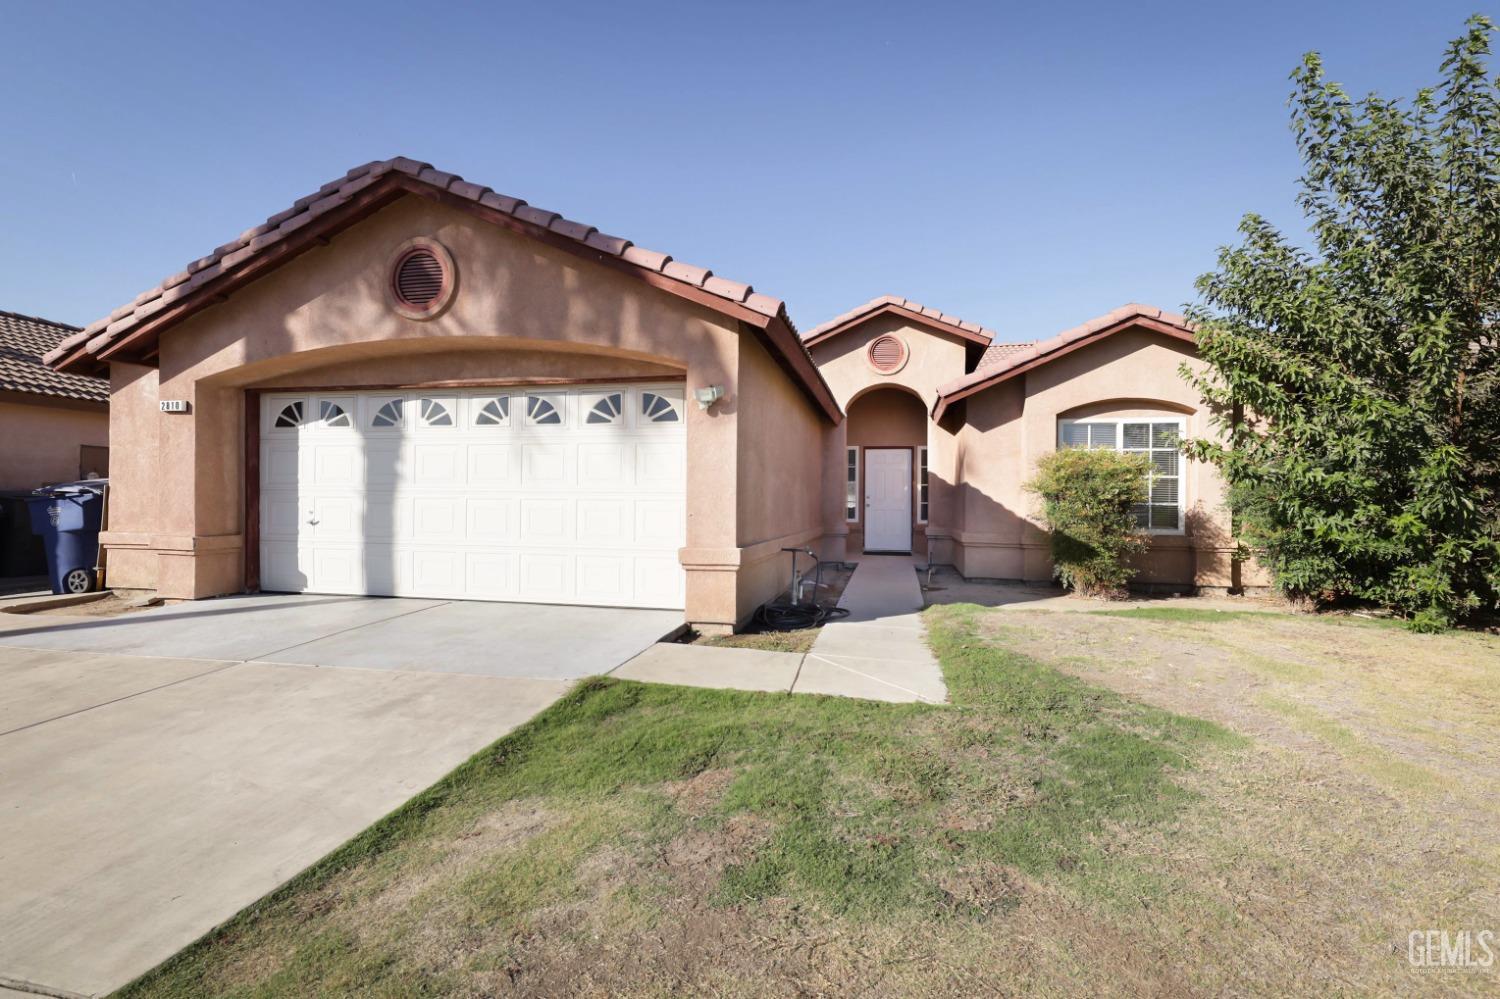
[942, 322]
[1010, 363]
[23, 341]
[130, 331]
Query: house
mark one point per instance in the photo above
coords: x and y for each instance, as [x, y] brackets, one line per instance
[54, 425]
[944, 427]
[409, 384]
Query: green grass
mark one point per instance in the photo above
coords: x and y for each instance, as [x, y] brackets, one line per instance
[869, 811]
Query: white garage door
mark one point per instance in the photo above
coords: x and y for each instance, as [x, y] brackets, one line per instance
[568, 496]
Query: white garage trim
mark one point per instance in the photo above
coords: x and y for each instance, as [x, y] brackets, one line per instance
[542, 495]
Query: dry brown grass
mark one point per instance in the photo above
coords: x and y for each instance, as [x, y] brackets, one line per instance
[1361, 803]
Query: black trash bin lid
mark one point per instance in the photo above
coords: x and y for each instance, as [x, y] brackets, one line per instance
[95, 486]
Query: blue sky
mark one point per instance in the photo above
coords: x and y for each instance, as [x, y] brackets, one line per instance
[1025, 166]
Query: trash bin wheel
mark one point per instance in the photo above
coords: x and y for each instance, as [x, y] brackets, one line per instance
[79, 581]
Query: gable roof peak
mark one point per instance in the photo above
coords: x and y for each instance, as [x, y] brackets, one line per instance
[342, 201]
[1004, 365]
[934, 318]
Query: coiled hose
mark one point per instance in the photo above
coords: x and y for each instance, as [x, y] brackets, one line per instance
[783, 615]
[789, 615]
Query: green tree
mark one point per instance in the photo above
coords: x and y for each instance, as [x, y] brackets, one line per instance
[1368, 461]
[1088, 500]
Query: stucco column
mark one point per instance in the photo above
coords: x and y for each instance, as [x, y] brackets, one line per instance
[835, 525]
[711, 557]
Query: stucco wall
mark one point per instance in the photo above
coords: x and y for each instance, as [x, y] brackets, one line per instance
[522, 310]
[779, 470]
[1006, 429]
[39, 442]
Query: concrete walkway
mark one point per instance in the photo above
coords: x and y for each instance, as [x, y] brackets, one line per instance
[878, 652]
[881, 647]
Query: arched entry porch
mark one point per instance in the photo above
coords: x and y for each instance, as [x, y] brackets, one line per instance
[885, 460]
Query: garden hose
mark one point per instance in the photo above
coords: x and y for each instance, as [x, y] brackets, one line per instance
[792, 614]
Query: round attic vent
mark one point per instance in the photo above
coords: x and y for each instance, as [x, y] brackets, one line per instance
[422, 279]
[887, 354]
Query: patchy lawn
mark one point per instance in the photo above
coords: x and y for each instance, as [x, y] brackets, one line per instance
[1113, 804]
[800, 640]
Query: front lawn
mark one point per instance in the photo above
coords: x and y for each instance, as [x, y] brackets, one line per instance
[1109, 805]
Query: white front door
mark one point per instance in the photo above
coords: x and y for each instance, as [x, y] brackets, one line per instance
[546, 495]
[888, 499]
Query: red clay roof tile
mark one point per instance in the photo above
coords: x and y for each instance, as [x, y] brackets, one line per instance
[535, 215]
[573, 230]
[687, 273]
[228, 258]
[874, 305]
[1001, 358]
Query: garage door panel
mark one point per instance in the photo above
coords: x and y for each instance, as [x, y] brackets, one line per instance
[659, 582]
[387, 569]
[491, 520]
[604, 465]
[283, 566]
[387, 463]
[660, 523]
[546, 521]
[436, 465]
[457, 496]
[337, 465]
[605, 579]
[281, 464]
[659, 466]
[437, 518]
[545, 465]
[387, 517]
[605, 522]
[339, 518]
[492, 575]
[545, 576]
[280, 515]
[492, 466]
[436, 572]
[339, 570]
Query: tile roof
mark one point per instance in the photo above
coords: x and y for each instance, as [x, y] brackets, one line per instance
[1026, 355]
[934, 317]
[23, 341]
[239, 252]
[996, 354]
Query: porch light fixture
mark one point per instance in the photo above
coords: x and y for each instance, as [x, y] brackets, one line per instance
[706, 397]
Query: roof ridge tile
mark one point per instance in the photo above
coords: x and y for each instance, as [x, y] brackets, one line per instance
[228, 257]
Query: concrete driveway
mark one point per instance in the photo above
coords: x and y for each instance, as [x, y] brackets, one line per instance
[161, 770]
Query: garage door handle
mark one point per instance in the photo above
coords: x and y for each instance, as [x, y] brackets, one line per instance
[312, 517]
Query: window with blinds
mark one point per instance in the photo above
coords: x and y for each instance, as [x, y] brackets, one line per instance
[1160, 441]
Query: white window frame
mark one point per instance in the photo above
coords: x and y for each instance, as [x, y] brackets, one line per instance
[851, 500]
[1119, 426]
[922, 484]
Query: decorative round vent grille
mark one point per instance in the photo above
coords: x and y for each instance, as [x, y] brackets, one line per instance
[887, 354]
[419, 278]
[422, 279]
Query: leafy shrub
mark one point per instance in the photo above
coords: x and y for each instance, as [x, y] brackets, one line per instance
[1087, 498]
[1369, 368]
